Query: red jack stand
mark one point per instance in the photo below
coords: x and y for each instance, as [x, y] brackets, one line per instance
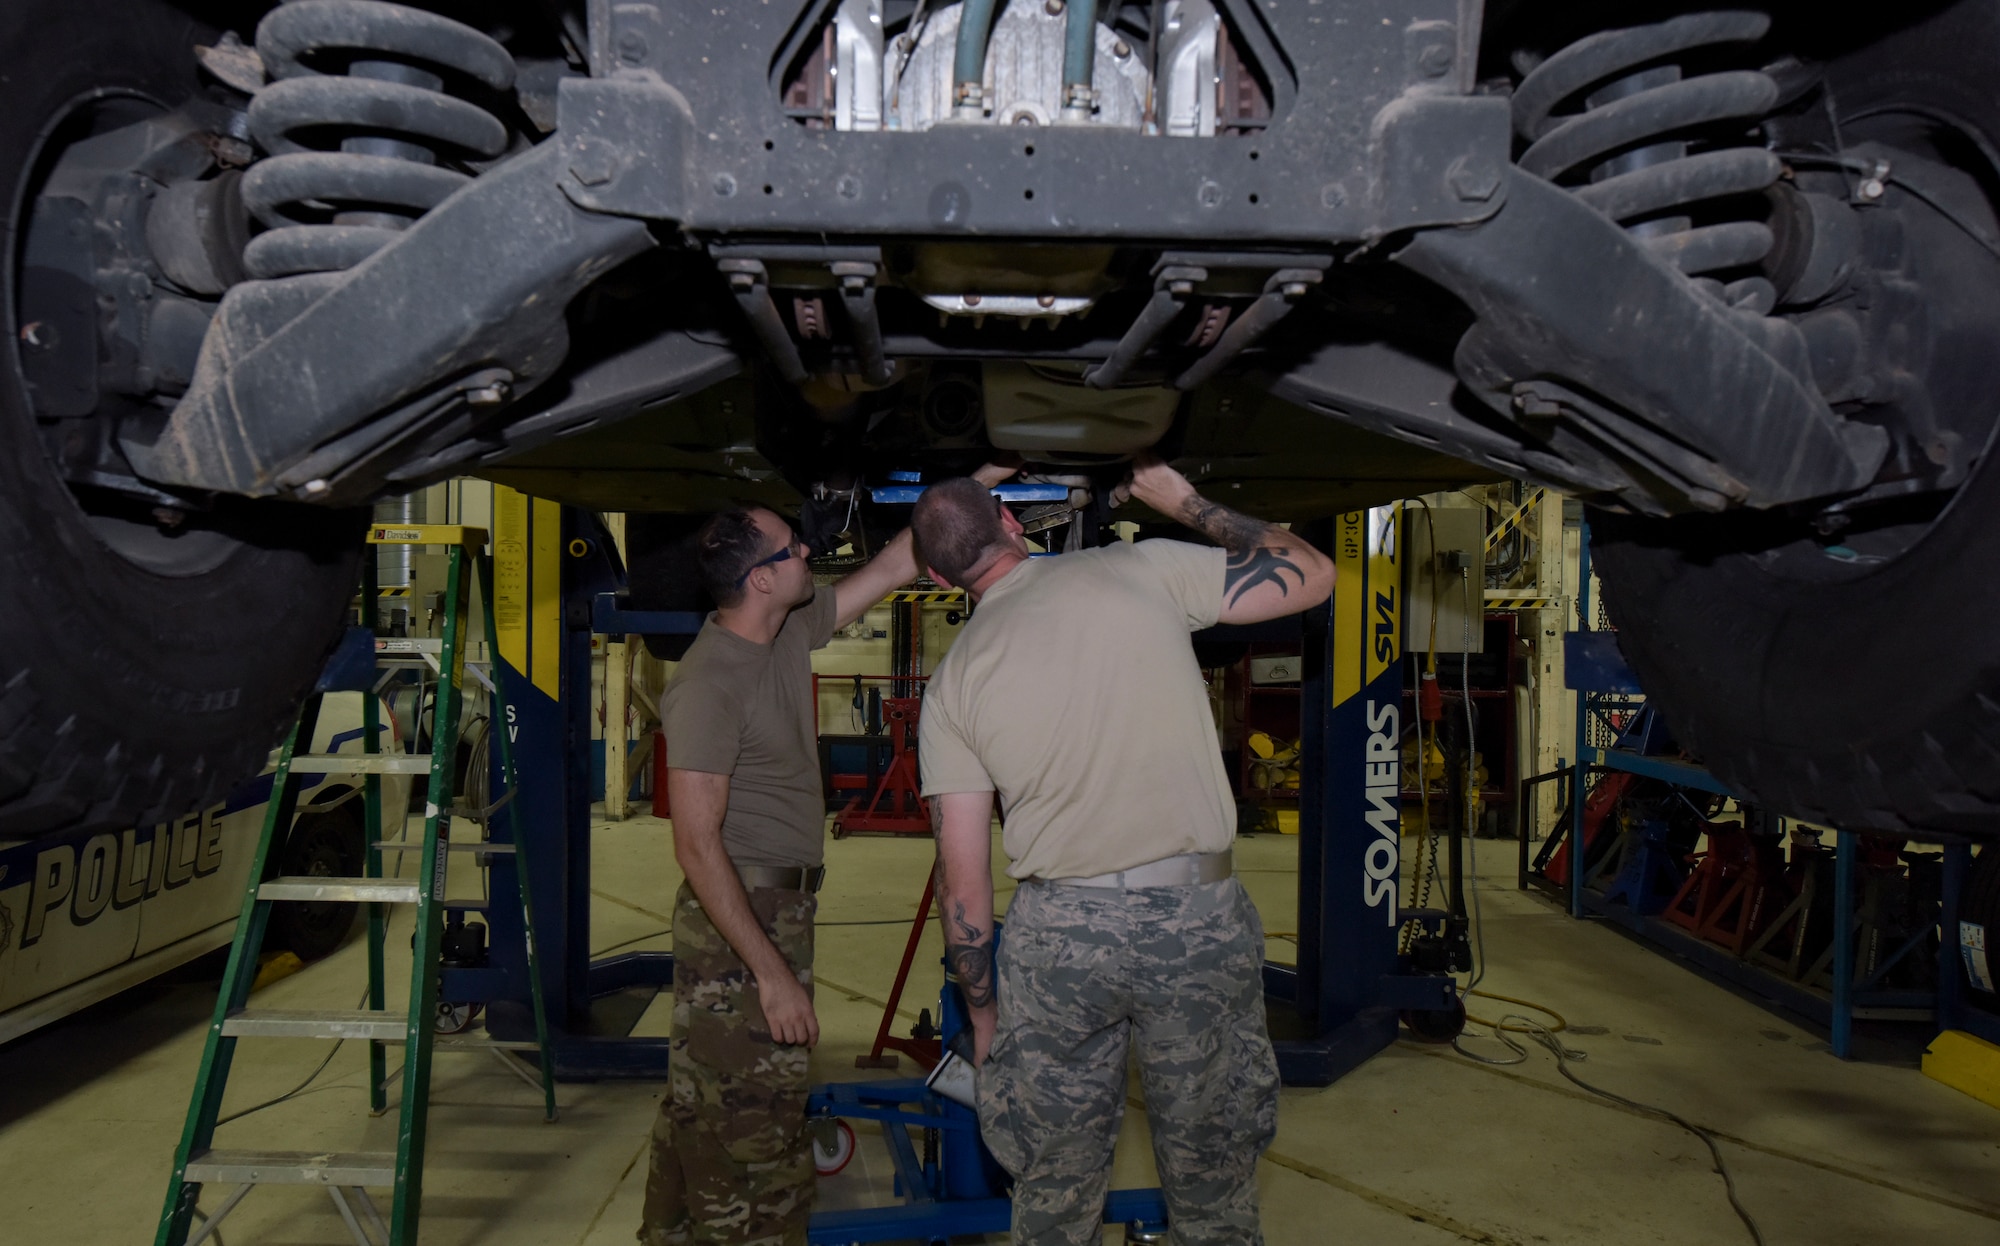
[925, 1051]
[1727, 889]
[896, 806]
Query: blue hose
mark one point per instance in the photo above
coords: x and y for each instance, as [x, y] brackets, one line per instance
[1079, 46]
[975, 28]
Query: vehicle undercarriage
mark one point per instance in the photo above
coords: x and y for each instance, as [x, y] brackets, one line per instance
[1726, 275]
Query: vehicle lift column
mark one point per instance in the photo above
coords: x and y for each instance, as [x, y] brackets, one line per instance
[1342, 1003]
[552, 565]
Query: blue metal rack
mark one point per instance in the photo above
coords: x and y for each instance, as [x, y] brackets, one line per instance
[1605, 689]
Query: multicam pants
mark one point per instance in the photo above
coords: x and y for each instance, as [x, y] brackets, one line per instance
[1083, 973]
[732, 1160]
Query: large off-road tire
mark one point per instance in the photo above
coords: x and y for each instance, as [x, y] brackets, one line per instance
[143, 669]
[1855, 681]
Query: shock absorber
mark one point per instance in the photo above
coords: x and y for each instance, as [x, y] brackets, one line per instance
[360, 127]
[1625, 150]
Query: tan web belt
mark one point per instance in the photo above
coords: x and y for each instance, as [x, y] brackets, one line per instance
[1181, 871]
[777, 878]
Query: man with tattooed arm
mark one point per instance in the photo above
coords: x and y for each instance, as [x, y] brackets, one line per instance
[1073, 695]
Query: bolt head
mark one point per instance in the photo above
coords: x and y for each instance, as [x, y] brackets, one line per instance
[1473, 180]
[1873, 188]
[1046, 300]
[313, 488]
[971, 300]
[725, 185]
[1053, 8]
[631, 47]
[1435, 61]
[592, 166]
[1121, 49]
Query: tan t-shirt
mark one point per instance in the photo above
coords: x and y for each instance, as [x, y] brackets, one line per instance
[745, 710]
[1073, 693]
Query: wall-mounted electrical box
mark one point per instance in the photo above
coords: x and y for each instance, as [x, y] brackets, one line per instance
[1444, 576]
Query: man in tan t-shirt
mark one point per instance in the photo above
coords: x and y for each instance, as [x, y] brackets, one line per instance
[1073, 694]
[732, 1162]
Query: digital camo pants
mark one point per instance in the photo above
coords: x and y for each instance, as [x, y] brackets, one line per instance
[1084, 972]
[732, 1160]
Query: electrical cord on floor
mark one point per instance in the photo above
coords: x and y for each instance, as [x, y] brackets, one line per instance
[629, 942]
[298, 1089]
[1565, 1056]
[215, 1235]
[1561, 1022]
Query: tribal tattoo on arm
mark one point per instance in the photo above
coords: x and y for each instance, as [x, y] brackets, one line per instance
[1259, 552]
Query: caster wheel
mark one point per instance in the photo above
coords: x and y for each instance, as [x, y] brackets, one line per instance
[454, 1018]
[1435, 1025]
[833, 1147]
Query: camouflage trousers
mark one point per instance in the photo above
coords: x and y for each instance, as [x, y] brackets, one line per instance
[732, 1160]
[1085, 973]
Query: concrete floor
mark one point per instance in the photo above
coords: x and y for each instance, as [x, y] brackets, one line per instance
[1418, 1146]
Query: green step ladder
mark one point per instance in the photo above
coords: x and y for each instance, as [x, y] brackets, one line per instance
[345, 1176]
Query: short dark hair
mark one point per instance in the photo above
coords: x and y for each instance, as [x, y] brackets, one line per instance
[725, 549]
[957, 527]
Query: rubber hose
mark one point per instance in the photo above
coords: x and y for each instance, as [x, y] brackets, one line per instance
[1079, 46]
[975, 28]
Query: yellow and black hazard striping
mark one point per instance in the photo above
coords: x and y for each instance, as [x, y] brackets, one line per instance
[1501, 529]
[402, 590]
[1524, 603]
[927, 595]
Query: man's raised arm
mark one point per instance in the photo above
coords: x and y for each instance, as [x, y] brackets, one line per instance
[896, 564]
[1270, 572]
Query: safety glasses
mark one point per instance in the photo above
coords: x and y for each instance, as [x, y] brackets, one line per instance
[778, 557]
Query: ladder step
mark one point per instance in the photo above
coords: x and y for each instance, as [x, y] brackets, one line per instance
[460, 1042]
[361, 763]
[468, 845]
[366, 890]
[316, 1023]
[294, 1167]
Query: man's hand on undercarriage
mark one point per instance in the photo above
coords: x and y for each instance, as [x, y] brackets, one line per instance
[788, 1010]
[1004, 465]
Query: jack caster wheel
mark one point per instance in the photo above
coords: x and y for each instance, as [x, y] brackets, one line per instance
[454, 1018]
[1435, 1025]
[833, 1146]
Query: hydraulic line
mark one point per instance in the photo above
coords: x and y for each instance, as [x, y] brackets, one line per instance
[1079, 58]
[975, 31]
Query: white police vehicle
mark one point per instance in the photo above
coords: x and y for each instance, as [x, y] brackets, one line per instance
[86, 914]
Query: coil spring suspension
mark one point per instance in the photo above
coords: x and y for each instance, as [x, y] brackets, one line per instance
[363, 75]
[1636, 94]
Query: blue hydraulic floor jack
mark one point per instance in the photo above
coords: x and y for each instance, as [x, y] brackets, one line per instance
[952, 1186]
